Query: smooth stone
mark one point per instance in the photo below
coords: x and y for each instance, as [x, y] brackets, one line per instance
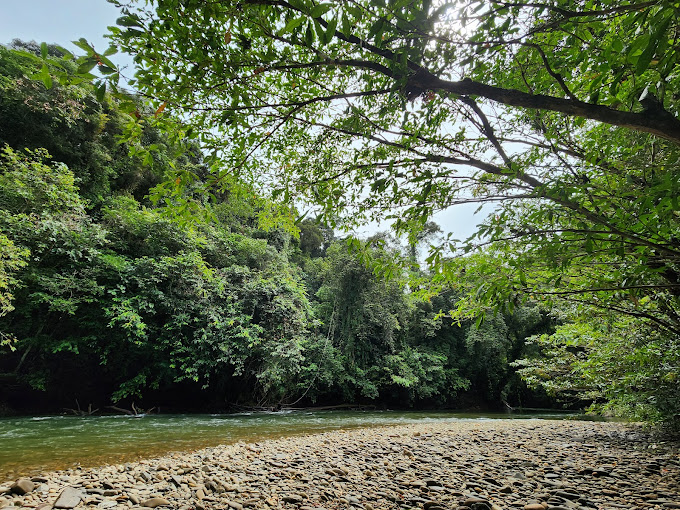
[22, 486]
[481, 505]
[69, 498]
[567, 494]
[416, 500]
[472, 500]
[292, 498]
[534, 506]
[234, 505]
[154, 502]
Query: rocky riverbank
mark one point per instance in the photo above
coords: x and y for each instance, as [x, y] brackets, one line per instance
[474, 465]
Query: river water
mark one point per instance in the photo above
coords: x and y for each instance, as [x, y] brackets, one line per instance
[30, 445]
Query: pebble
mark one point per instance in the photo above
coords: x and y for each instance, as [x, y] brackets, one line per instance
[154, 502]
[490, 465]
[22, 486]
[68, 498]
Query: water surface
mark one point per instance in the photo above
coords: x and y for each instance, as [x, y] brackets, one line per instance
[30, 445]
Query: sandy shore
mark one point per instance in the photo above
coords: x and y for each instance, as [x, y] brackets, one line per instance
[476, 465]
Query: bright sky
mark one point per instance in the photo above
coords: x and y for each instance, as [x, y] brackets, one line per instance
[62, 21]
[56, 21]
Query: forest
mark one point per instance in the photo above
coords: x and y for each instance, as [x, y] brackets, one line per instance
[117, 299]
[180, 237]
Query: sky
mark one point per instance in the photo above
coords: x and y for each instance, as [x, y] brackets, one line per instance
[56, 21]
[62, 21]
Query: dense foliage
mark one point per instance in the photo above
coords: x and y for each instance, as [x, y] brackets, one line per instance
[563, 114]
[109, 299]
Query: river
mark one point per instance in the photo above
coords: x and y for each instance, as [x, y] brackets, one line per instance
[30, 445]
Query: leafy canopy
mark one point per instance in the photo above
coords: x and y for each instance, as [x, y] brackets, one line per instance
[562, 114]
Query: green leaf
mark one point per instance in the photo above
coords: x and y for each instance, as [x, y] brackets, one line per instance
[645, 58]
[346, 24]
[64, 51]
[320, 10]
[43, 50]
[84, 45]
[292, 25]
[129, 21]
[44, 76]
[648, 54]
[375, 28]
[87, 66]
[106, 61]
[309, 35]
[100, 91]
[330, 31]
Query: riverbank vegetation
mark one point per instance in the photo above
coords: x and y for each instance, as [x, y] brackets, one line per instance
[115, 299]
[146, 266]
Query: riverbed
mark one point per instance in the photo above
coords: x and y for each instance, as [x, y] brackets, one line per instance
[30, 445]
[440, 465]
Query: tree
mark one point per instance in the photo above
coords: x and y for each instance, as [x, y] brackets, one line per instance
[562, 114]
[11, 260]
[614, 363]
[80, 127]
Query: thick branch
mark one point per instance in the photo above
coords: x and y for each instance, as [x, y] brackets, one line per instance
[660, 123]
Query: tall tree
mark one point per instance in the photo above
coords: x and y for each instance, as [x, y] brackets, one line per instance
[563, 114]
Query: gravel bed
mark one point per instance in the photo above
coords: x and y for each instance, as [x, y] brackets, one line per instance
[464, 465]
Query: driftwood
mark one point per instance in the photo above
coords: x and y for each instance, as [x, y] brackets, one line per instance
[134, 411]
[511, 409]
[81, 412]
[283, 407]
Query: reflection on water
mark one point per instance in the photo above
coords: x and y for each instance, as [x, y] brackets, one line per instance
[31, 445]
